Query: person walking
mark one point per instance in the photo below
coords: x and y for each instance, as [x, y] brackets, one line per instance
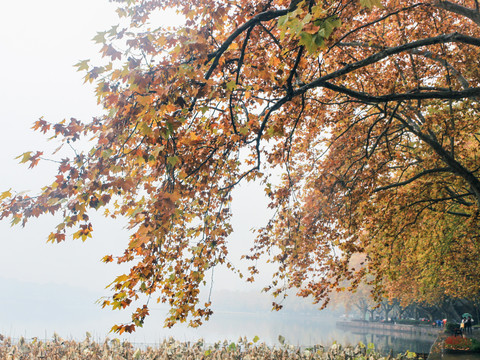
[468, 325]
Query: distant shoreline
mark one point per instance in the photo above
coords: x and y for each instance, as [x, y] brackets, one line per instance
[382, 327]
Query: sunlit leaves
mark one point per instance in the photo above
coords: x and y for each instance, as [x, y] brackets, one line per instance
[84, 232]
[28, 157]
[371, 3]
[311, 27]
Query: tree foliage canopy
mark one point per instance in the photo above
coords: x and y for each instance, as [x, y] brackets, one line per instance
[368, 109]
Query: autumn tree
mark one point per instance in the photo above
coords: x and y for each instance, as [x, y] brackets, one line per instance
[367, 109]
[359, 300]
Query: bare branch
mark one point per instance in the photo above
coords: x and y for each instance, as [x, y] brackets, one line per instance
[418, 95]
[473, 15]
[264, 16]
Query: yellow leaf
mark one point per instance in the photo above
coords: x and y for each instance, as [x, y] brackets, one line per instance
[5, 194]
[25, 157]
[16, 219]
[194, 137]
[231, 85]
[121, 278]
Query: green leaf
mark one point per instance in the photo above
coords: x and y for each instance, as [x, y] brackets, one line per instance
[106, 153]
[296, 26]
[282, 20]
[145, 129]
[281, 339]
[172, 160]
[308, 40]
[82, 65]
[336, 21]
[169, 128]
[411, 355]
[319, 40]
[100, 37]
[307, 19]
[256, 338]
[231, 85]
[113, 30]
[371, 3]
[329, 26]
[243, 130]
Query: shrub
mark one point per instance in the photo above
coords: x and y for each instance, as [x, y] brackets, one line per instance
[458, 343]
[475, 345]
[451, 327]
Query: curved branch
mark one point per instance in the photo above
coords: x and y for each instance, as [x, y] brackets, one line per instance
[440, 39]
[412, 179]
[455, 166]
[418, 52]
[373, 23]
[264, 16]
[364, 97]
[460, 10]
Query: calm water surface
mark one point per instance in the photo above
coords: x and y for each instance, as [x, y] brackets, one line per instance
[298, 330]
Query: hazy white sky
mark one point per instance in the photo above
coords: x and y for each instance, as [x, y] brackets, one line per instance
[39, 43]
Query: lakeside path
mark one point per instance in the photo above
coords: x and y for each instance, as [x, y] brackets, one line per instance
[382, 327]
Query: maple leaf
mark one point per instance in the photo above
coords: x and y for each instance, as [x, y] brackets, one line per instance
[113, 53]
[371, 3]
[5, 194]
[82, 65]
[34, 159]
[100, 37]
[26, 156]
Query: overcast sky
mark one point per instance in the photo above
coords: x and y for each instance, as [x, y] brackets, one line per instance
[40, 42]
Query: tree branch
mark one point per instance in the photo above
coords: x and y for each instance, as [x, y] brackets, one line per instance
[419, 175]
[264, 16]
[440, 39]
[473, 15]
[450, 95]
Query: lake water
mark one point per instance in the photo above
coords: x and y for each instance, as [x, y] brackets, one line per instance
[40, 320]
[297, 330]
